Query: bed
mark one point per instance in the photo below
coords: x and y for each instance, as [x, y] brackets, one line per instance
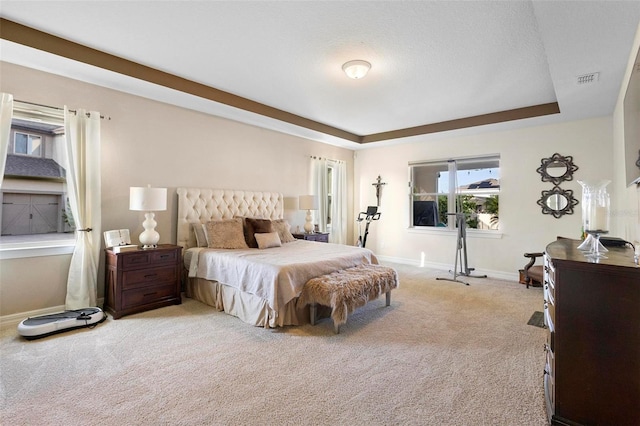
[260, 286]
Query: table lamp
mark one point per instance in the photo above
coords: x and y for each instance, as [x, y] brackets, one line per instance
[308, 203]
[148, 200]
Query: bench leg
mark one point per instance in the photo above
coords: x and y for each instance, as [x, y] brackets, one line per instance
[388, 298]
[312, 313]
[336, 328]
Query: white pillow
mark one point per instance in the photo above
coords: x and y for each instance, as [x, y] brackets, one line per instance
[267, 240]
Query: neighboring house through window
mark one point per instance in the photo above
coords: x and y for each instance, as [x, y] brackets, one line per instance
[34, 200]
[440, 189]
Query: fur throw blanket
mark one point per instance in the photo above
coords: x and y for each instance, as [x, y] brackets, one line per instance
[346, 290]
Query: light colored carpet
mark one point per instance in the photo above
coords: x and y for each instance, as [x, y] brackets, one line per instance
[442, 354]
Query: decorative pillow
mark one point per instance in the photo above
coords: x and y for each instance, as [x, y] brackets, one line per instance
[267, 240]
[199, 231]
[282, 227]
[254, 226]
[226, 234]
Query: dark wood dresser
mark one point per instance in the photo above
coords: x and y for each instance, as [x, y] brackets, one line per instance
[592, 313]
[141, 280]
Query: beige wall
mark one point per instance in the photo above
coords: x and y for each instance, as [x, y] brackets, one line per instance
[523, 226]
[148, 142]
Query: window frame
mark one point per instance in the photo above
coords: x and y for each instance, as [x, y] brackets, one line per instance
[452, 192]
[30, 137]
[25, 246]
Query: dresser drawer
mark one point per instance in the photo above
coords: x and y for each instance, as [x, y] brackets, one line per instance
[145, 277]
[143, 296]
[141, 258]
[550, 312]
[549, 276]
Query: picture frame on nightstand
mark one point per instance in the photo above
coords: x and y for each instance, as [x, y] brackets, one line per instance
[119, 240]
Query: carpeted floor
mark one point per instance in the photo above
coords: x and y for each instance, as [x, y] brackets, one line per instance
[442, 354]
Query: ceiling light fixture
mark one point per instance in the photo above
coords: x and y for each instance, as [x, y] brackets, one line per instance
[356, 69]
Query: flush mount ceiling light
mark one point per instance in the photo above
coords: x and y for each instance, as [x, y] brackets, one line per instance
[356, 69]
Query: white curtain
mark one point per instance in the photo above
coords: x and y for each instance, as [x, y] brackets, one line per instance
[320, 187]
[6, 114]
[82, 139]
[339, 201]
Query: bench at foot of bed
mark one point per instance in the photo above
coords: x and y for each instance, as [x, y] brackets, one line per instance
[345, 291]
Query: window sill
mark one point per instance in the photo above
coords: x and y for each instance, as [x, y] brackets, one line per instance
[471, 233]
[17, 250]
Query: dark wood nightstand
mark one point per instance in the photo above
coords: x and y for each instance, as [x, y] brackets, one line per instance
[140, 280]
[321, 237]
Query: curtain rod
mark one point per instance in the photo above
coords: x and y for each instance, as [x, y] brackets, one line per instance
[59, 109]
[329, 159]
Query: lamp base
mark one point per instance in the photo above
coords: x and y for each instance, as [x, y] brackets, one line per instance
[308, 224]
[149, 237]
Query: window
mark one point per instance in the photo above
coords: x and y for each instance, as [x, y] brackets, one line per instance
[27, 144]
[440, 189]
[35, 209]
[330, 187]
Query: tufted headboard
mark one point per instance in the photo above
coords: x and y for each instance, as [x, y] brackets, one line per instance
[203, 205]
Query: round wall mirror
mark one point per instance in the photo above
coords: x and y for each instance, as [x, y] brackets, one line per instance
[557, 202]
[557, 168]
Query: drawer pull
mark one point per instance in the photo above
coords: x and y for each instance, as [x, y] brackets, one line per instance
[164, 256]
[150, 294]
[151, 276]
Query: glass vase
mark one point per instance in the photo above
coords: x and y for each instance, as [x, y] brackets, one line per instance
[596, 205]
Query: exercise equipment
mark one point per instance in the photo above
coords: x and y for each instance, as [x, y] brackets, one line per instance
[461, 252]
[461, 243]
[46, 325]
[370, 215]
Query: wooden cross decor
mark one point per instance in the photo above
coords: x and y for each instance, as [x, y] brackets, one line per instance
[378, 184]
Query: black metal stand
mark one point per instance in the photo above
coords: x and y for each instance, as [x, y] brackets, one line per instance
[368, 216]
[461, 253]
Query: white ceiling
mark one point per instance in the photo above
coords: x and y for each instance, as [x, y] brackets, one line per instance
[432, 61]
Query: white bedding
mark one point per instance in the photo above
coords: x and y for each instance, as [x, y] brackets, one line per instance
[275, 274]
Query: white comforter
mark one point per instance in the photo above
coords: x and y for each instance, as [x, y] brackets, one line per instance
[275, 274]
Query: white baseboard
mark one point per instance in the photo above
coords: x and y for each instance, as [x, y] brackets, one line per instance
[499, 275]
[12, 321]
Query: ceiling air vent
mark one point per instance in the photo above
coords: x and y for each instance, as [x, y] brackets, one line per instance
[588, 78]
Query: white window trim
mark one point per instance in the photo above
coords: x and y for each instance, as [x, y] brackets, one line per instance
[470, 233]
[18, 250]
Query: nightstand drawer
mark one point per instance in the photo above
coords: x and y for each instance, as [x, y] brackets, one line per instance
[147, 258]
[143, 296]
[145, 277]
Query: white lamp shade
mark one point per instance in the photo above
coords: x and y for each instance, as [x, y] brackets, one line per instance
[147, 199]
[356, 69]
[308, 202]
